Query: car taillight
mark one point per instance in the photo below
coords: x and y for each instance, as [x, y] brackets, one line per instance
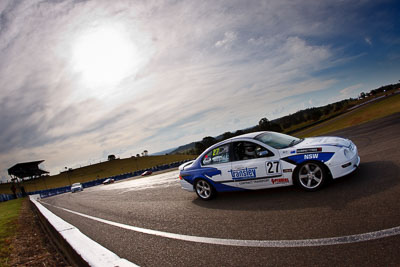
[180, 177]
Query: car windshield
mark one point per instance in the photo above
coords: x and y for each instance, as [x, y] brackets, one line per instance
[278, 140]
[76, 184]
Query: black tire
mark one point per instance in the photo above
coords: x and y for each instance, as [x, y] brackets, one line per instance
[311, 175]
[204, 190]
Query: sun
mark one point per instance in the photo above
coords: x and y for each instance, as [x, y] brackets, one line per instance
[104, 56]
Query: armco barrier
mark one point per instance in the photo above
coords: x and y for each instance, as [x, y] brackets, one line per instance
[65, 189]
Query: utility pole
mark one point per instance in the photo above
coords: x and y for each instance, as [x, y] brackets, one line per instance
[68, 176]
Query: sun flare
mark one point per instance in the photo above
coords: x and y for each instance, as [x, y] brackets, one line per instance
[104, 56]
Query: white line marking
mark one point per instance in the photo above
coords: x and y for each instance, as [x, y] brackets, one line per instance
[252, 243]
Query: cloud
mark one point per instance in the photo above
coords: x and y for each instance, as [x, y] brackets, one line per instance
[203, 68]
[351, 91]
[229, 38]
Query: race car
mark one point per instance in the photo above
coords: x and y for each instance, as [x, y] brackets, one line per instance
[268, 159]
[76, 187]
[108, 181]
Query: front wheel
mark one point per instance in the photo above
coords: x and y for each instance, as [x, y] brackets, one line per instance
[204, 190]
[311, 176]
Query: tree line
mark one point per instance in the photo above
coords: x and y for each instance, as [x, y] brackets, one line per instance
[287, 124]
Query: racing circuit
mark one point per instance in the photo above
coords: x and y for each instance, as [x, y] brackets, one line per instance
[354, 220]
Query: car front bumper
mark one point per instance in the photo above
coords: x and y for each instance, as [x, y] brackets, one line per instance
[346, 168]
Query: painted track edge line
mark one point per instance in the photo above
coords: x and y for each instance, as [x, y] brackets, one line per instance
[79, 249]
[252, 243]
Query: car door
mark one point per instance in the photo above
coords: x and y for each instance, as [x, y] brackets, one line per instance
[216, 163]
[254, 166]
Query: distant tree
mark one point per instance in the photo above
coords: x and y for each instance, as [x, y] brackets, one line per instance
[275, 127]
[227, 135]
[137, 155]
[327, 109]
[286, 124]
[264, 124]
[208, 141]
[238, 132]
[111, 157]
[338, 106]
[316, 114]
[199, 147]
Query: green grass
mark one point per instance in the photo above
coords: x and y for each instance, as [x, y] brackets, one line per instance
[9, 212]
[369, 112]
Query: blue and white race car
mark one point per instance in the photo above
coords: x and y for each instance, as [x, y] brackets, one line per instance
[266, 160]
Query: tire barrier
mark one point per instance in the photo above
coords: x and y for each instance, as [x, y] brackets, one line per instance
[6, 197]
[66, 189]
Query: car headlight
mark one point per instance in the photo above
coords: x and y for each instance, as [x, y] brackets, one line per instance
[352, 147]
[346, 153]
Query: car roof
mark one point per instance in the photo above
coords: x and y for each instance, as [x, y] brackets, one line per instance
[248, 135]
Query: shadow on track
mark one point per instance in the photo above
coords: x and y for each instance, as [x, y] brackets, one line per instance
[370, 179]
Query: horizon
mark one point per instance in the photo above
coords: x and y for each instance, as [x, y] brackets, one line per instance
[81, 80]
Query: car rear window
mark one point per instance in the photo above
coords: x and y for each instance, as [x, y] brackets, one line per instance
[217, 155]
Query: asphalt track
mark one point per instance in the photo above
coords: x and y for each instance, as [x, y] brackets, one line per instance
[354, 220]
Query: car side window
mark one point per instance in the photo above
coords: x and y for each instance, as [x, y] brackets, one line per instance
[217, 155]
[248, 150]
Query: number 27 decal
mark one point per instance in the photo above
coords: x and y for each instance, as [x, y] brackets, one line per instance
[273, 168]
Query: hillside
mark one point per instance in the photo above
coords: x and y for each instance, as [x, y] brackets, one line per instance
[299, 121]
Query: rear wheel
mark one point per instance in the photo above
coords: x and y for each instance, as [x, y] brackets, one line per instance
[311, 176]
[204, 190]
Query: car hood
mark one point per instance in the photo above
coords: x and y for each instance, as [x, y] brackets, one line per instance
[324, 141]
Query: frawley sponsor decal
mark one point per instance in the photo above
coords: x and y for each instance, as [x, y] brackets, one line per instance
[242, 174]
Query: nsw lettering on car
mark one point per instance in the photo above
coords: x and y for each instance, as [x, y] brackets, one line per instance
[298, 159]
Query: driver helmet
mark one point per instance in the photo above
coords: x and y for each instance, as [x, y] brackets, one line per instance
[249, 150]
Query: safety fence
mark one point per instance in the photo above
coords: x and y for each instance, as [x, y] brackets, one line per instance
[65, 189]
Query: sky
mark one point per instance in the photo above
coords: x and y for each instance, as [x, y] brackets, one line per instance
[80, 80]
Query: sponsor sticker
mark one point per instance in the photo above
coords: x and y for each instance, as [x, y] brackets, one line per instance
[241, 174]
[280, 181]
[253, 181]
[287, 170]
[309, 150]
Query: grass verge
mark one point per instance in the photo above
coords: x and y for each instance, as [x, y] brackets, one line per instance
[363, 114]
[9, 212]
